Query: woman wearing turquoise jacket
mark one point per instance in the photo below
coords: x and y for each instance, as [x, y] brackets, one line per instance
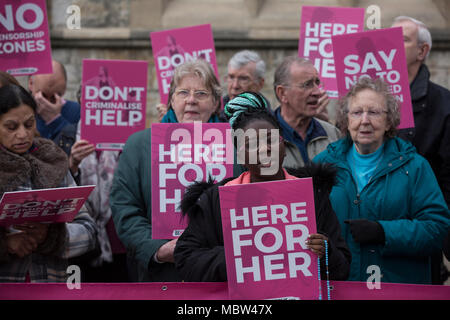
[195, 95]
[392, 212]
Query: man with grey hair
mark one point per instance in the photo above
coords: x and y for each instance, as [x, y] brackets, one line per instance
[431, 108]
[246, 72]
[299, 90]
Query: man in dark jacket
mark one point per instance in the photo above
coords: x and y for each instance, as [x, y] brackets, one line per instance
[431, 108]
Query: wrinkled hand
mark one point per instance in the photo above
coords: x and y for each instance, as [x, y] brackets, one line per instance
[20, 244]
[165, 252]
[162, 110]
[316, 243]
[47, 110]
[322, 111]
[35, 230]
[80, 150]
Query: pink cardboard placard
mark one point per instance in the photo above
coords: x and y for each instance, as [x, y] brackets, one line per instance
[375, 54]
[43, 205]
[173, 47]
[24, 38]
[265, 227]
[181, 154]
[113, 101]
[318, 25]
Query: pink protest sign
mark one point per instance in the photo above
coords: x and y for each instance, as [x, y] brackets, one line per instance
[24, 38]
[265, 226]
[173, 47]
[181, 154]
[113, 101]
[44, 205]
[375, 54]
[318, 24]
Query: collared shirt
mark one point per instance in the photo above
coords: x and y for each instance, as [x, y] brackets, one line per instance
[314, 130]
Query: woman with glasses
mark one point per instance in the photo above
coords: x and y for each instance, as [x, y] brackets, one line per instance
[194, 95]
[199, 252]
[392, 212]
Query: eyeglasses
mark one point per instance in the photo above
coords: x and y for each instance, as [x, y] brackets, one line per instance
[308, 85]
[198, 94]
[372, 114]
[242, 80]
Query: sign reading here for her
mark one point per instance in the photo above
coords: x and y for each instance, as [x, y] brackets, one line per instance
[318, 25]
[182, 154]
[265, 227]
[45, 205]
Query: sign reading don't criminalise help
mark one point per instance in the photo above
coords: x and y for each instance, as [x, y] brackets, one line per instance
[183, 153]
[43, 205]
[265, 227]
[174, 47]
[113, 101]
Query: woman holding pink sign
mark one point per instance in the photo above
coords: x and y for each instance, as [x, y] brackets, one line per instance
[392, 212]
[195, 95]
[35, 251]
[199, 252]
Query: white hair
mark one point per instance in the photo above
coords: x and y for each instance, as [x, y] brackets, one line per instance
[241, 58]
[423, 34]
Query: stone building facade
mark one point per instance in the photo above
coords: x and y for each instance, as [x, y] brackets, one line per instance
[119, 29]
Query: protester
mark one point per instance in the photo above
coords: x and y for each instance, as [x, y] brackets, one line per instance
[39, 251]
[298, 89]
[56, 117]
[431, 110]
[387, 199]
[199, 252]
[91, 167]
[194, 95]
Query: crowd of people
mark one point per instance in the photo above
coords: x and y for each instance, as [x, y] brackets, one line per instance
[381, 195]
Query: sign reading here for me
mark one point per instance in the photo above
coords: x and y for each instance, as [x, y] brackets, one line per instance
[265, 228]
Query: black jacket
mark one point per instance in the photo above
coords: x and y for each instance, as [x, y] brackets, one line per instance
[199, 252]
[431, 135]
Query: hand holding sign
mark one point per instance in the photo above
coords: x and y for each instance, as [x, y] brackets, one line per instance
[20, 244]
[316, 243]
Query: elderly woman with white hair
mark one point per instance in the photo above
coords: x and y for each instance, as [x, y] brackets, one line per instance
[392, 212]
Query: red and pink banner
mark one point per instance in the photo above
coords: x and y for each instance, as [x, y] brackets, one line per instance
[318, 25]
[113, 101]
[182, 154]
[43, 205]
[265, 227]
[173, 47]
[196, 291]
[375, 54]
[24, 38]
